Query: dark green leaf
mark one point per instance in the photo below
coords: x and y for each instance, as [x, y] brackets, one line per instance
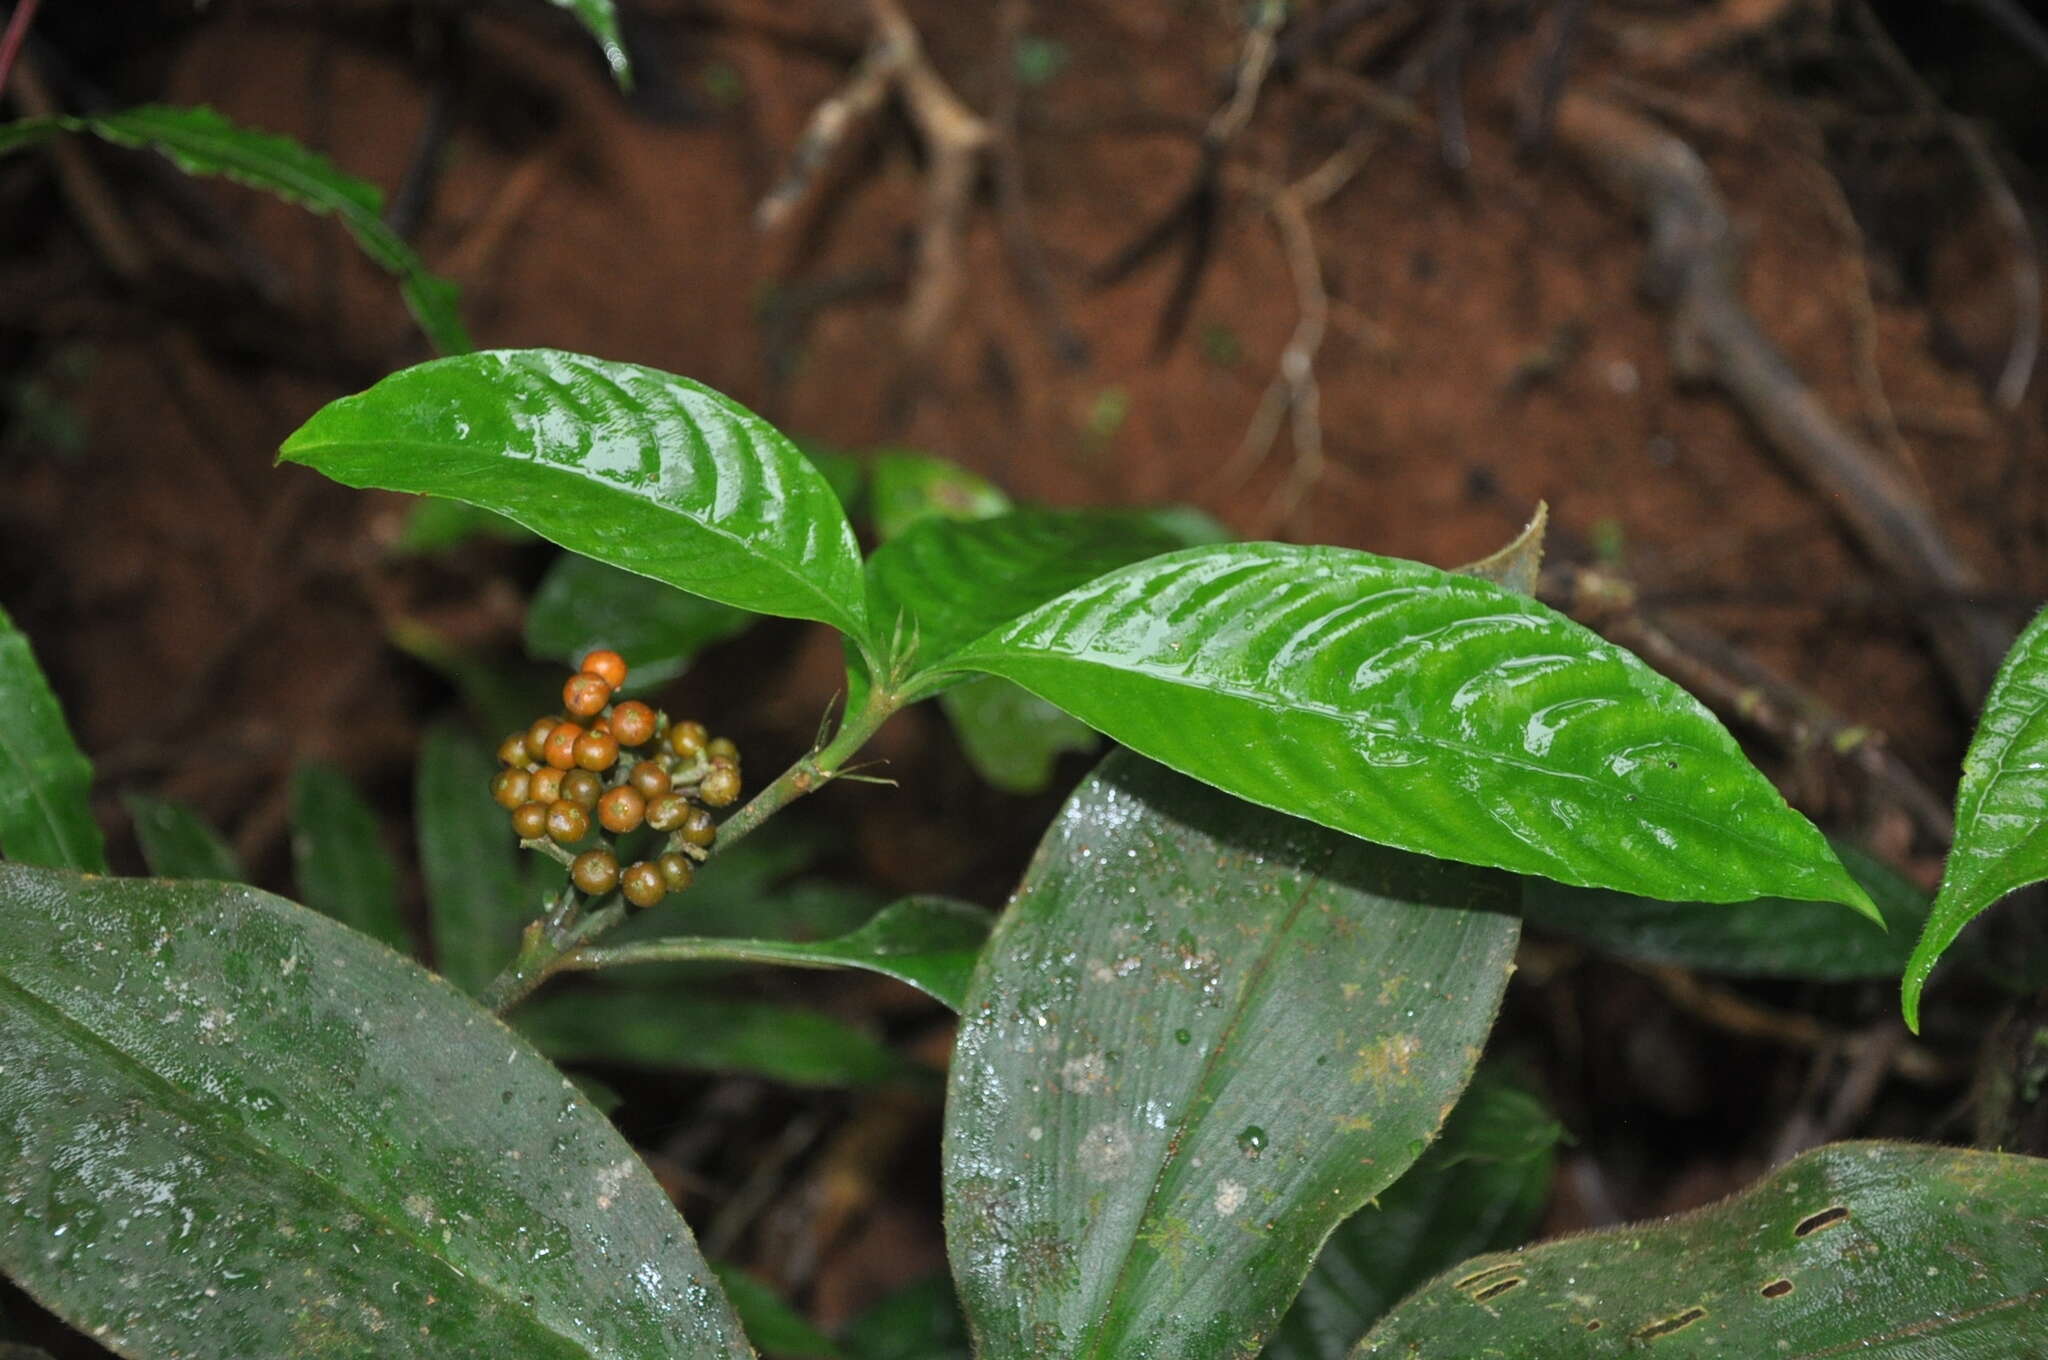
[664, 1029]
[339, 856]
[177, 842]
[202, 142]
[1518, 566]
[945, 582]
[1770, 937]
[582, 605]
[1011, 736]
[476, 899]
[433, 525]
[918, 1322]
[930, 943]
[1418, 709]
[908, 487]
[601, 18]
[1201, 1035]
[1481, 1186]
[774, 1327]
[2001, 807]
[229, 1127]
[1884, 1250]
[45, 780]
[845, 473]
[648, 472]
[505, 694]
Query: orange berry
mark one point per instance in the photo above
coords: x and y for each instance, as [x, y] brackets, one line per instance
[585, 694]
[597, 750]
[607, 664]
[633, 723]
[560, 751]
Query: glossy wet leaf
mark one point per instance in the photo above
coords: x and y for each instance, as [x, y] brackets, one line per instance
[648, 472]
[908, 487]
[1481, 1186]
[1009, 735]
[201, 142]
[178, 843]
[2001, 840]
[1769, 937]
[918, 1322]
[931, 943]
[582, 605]
[476, 898]
[1519, 565]
[601, 19]
[1890, 1251]
[1418, 709]
[339, 858]
[45, 780]
[775, 1328]
[230, 1127]
[698, 1032]
[946, 582]
[1201, 1036]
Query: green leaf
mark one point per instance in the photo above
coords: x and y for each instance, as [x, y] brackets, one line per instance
[1011, 736]
[1201, 1036]
[1481, 1186]
[931, 943]
[663, 1029]
[2001, 840]
[771, 1324]
[909, 487]
[202, 142]
[436, 526]
[945, 583]
[476, 899]
[1880, 1250]
[601, 18]
[230, 1127]
[339, 857]
[45, 780]
[582, 605]
[918, 1322]
[1769, 937]
[648, 472]
[1518, 566]
[177, 842]
[1418, 709]
[504, 693]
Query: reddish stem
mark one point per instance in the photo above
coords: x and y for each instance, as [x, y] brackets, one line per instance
[17, 33]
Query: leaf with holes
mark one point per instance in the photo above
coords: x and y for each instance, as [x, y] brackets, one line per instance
[476, 900]
[338, 854]
[1201, 1036]
[2001, 807]
[177, 843]
[231, 1127]
[581, 605]
[1887, 1250]
[1419, 709]
[45, 780]
[651, 473]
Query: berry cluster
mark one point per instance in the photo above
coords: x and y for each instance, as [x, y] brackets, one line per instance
[561, 772]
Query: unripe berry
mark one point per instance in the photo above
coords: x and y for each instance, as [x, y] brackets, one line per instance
[720, 787]
[595, 872]
[622, 809]
[530, 820]
[537, 735]
[545, 786]
[509, 788]
[582, 788]
[667, 812]
[698, 828]
[643, 884]
[585, 694]
[608, 665]
[567, 822]
[649, 778]
[513, 750]
[676, 871]
[633, 723]
[560, 751]
[597, 750]
[687, 738]
[722, 748]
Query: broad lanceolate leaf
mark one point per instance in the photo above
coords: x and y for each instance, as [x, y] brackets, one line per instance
[945, 582]
[582, 604]
[601, 18]
[202, 142]
[931, 943]
[178, 843]
[703, 1033]
[1885, 1250]
[1201, 1036]
[908, 487]
[1481, 1186]
[230, 1127]
[341, 865]
[1418, 709]
[1770, 937]
[476, 897]
[649, 472]
[2001, 807]
[45, 780]
[1011, 736]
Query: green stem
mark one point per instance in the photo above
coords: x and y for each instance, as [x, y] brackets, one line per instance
[694, 949]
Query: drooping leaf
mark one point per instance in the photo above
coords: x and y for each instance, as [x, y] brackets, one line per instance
[1769, 937]
[339, 857]
[476, 899]
[1481, 1186]
[704, 1033]
[177, 842]
[944, 582]
[918, 1322]
[651, 473]
[1885, 1250]
[931, 943]
[1201, 1036]
[601, 19]
[45, 780]
[230, 1127]
[1518, 566]
[433, 525]
[2001, 840]
[908, 487]
[1011, 736]
[1418, 709]
[202, 142]
[774, 1327]
[581, 605]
